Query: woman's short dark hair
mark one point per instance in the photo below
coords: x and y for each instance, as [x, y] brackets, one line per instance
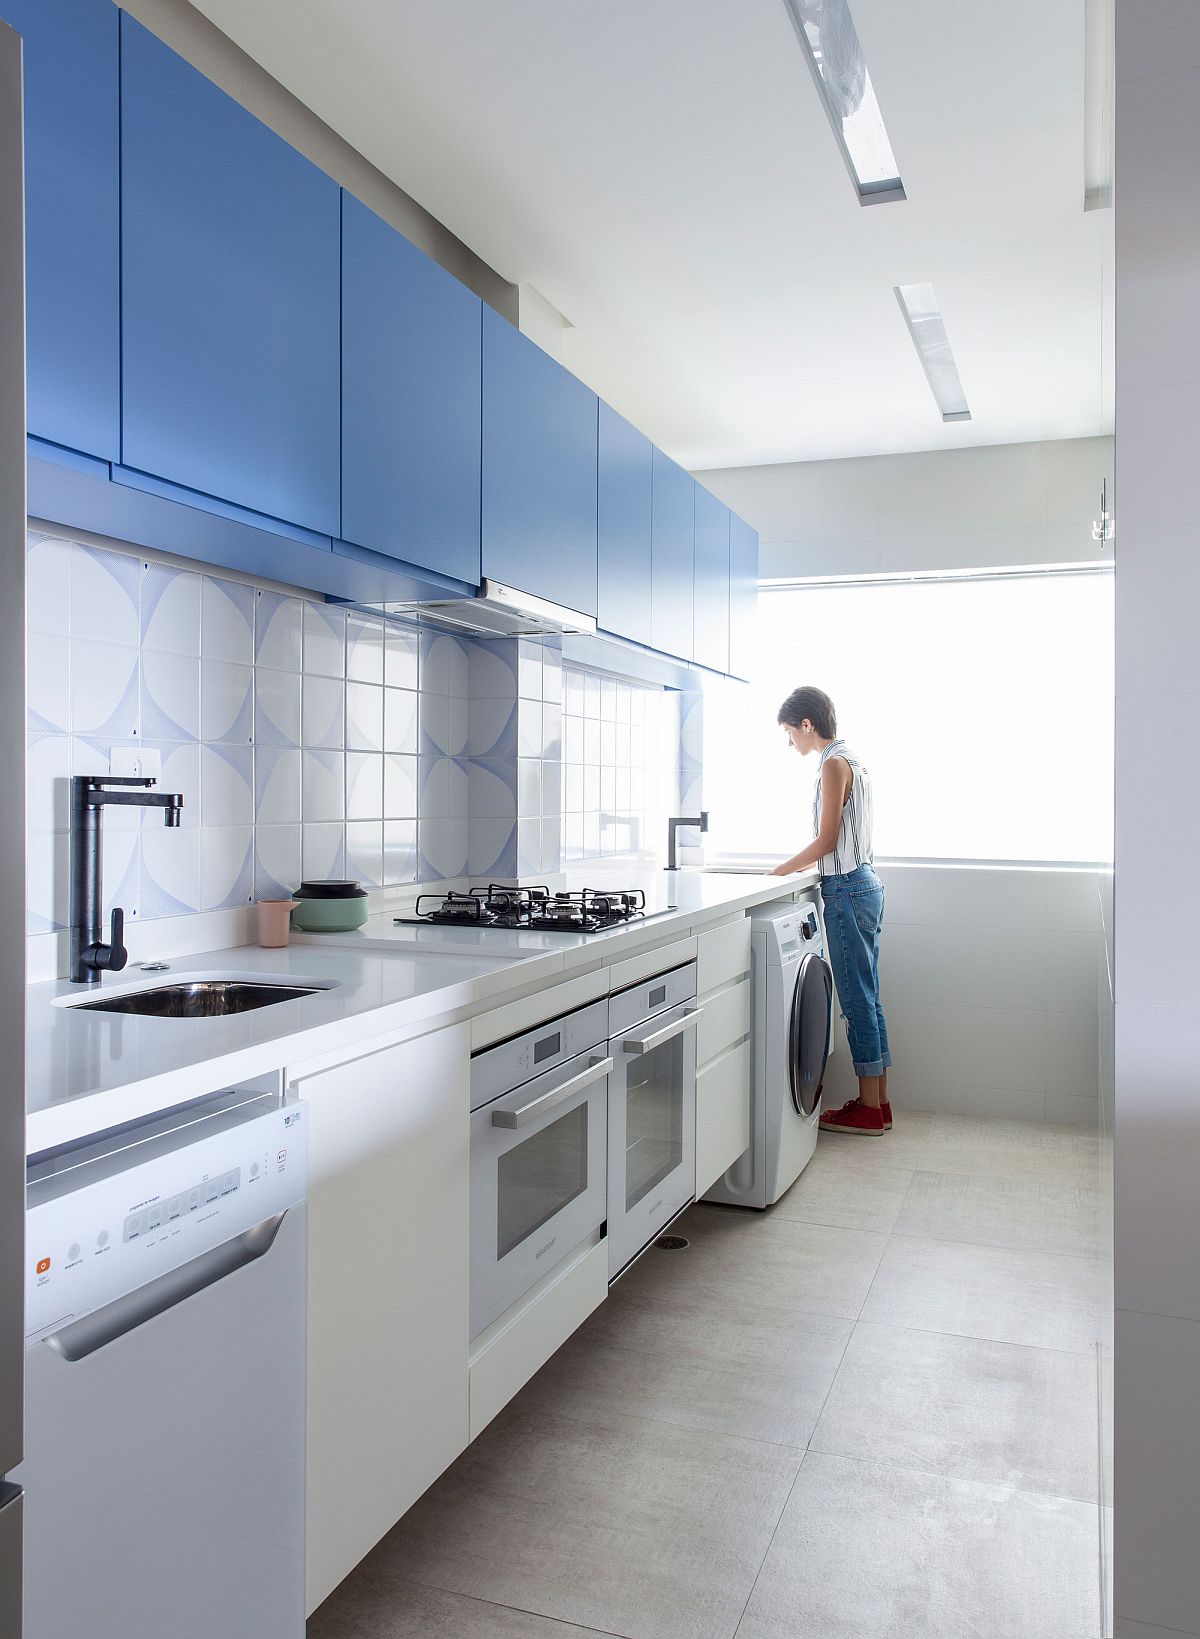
[814, 704]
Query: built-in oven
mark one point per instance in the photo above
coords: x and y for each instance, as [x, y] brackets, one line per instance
[539, 1108]
[651, 1109]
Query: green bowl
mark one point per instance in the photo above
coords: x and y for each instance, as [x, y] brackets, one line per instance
[330, 915]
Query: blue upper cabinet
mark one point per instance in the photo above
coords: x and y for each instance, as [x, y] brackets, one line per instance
[711, 619]
[411, 401]
[673, 557]
[623, 513]
[230, 297]
[743, 595]
[72, 220]
[539, 471]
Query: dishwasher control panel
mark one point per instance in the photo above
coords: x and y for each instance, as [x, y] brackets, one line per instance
[106, 1225]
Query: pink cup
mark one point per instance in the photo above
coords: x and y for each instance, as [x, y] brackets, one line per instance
[274, 921]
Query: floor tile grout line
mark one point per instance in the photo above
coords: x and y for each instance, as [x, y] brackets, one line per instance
[972, 1337]
[767, 1550]
[1037, 1252]
[954, 1479]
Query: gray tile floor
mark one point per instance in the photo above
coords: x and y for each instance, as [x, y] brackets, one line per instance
[869, 1413]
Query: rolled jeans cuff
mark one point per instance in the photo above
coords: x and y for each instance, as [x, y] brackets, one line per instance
[875, 1067]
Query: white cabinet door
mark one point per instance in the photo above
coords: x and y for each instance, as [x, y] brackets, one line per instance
[388, 1399]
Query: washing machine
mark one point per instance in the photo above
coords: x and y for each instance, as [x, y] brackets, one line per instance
[792, 1037]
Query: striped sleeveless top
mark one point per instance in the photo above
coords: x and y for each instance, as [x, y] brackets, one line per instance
[855, 843]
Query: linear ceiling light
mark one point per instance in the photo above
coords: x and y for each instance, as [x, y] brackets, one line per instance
[826, 31]
[920, 309]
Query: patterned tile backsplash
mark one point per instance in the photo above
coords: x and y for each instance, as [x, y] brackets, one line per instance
[311, 740]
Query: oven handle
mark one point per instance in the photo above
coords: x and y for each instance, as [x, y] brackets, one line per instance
[655, 1038]
[596, 1071]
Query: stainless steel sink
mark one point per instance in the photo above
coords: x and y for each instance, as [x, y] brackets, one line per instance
[201, 999]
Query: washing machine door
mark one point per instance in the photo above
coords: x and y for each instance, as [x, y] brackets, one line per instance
[808, 1031]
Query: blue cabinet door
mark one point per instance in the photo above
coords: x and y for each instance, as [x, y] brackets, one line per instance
[539, 471]
[711, 619]
[72, 221]
[624, 504]
[672, 557]
[743, 595]
[230, 301]
[411, 401]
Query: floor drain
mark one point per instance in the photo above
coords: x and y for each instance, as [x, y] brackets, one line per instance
[672, 1243]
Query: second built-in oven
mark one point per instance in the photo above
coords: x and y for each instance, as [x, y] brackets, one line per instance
[539, 1107]
[651, 1109]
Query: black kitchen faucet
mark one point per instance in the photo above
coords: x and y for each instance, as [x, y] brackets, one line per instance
[89, 794]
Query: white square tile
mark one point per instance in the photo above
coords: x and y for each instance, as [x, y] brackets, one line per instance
[399, 852]
[574, 692]
[227, 621]
[104, 690]
[491, 791]
[572, 836]
[48, 881]
[364, 648]
[401, 649]
[975, 967]
[551, 844]
[552, 728]
[106, 595]
[1072, 1055]
[608, 789]
[226, 866]
[324, 640]
[491, 847]
[552, 677]
[608, 745]
[170, 872]
[364, 717]
[277, 707]
[364, 785]
[180, 772]
[323, 712]
[364, 852]
[226, 785]
[529, 728]
[324, 790]
[591, 790]
[171, 609]
[122, 872]
[491, 669]
[572, 789]
[529, 847]
[324, 848]
[278, 773]
[573, 740]
[444, 789]
[529, 669]
[48, 584]
[591, 696]
[529, 789]
[277, 860]
[170, 696]
[1072, 971]
[1073, 901]
[278, 631]
[226, 702]
[443, 723]
[48, 783]
[591, 742]
[608, 700]
[48, 681]
[399, 787]
[443, 848]
[400, 722]
[552, 804]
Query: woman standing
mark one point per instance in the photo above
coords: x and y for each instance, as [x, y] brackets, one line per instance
[852, 898]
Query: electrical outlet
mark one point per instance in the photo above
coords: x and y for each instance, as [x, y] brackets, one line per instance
[135, 762]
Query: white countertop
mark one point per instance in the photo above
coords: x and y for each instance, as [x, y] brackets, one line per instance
[89, 1071]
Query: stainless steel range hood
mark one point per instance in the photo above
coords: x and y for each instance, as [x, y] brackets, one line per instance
[496, 611]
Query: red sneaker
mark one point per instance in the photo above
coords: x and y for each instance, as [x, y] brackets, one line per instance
[885, 1110]
[853, 1117]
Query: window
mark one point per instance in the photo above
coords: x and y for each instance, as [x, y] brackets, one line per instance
[982, 707]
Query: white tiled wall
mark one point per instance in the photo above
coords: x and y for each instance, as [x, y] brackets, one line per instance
[989, 982]
[621, 765]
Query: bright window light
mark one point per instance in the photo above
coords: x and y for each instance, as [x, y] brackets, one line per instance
[830, 41]
[920, 309]
[983, 710]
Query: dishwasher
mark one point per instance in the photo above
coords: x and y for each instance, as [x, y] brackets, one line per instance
[165, 1377]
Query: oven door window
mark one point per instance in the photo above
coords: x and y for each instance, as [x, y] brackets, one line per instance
[653, 1119]
[537, 1178]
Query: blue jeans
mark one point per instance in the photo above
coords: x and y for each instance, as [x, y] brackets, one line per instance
[853, 906]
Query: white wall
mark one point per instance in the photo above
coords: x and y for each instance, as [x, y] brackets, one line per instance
[989, 989]
[1157, 1464]
[944, 509]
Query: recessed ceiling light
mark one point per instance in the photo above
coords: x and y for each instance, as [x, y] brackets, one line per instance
[826, 31]
[920, 309]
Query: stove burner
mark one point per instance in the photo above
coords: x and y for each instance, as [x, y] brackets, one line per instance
[589, 910]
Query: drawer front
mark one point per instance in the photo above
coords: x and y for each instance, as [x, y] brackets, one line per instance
[509, 1359]
[724, 1022]
[649, 962]
[722, 1115]
[722, 954]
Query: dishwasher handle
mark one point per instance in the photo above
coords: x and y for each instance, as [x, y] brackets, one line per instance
[655, 1038]
[80, 1338]
[596, 1070]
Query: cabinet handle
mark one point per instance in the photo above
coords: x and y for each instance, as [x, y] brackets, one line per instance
[596, 1071]
[655, 1038]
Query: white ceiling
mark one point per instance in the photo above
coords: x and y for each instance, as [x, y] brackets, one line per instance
[663, 173]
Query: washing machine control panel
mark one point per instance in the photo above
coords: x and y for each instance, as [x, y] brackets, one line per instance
[109, 1225]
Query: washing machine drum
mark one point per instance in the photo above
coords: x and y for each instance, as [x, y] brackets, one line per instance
[808, 1031]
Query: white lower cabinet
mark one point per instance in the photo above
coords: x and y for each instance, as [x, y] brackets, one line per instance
[388, 1407]
[722, 1050]
[722, 1115]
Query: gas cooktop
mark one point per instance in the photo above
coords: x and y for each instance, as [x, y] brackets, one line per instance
[591, 910]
